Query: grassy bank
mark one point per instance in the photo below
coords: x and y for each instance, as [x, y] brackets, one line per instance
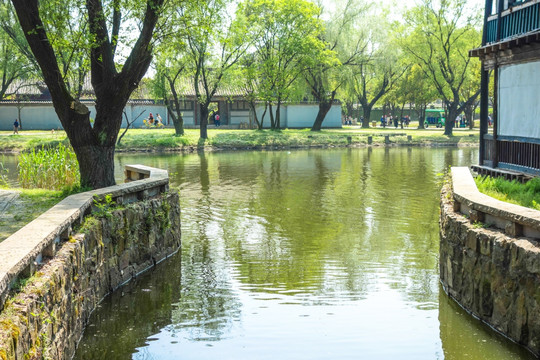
[26, 207]
[164, 139]
[514, 192]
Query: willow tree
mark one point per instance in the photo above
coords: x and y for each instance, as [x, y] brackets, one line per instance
[16, 61]
[344, 44]
[285, 33]
[215, 42]
[101, 23]
[440, 37]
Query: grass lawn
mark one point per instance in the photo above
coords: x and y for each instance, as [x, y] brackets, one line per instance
[164, 139]
[514, 192]
[29, 139]
[29, 205]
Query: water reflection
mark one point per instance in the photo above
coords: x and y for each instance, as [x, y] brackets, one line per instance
[303, 255]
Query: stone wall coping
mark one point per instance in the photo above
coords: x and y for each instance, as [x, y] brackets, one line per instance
[466, 192]
[20, 252]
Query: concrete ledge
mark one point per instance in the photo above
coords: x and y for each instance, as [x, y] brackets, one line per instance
[515, 220]
[23, 251]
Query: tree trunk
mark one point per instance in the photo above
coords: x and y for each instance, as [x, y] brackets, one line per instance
[450, 120]
[422, 116]
[272, 120]
[278, 115]
[324, 107]
[204, 120]
[469, 113]
[254, 110]
[178, 122]
[367, 115]
[96, 164]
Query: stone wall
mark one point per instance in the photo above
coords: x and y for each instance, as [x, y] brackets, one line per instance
[492, 275]
[47, 317]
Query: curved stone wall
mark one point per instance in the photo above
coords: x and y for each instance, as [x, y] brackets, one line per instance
[45, 312]
[493, 275]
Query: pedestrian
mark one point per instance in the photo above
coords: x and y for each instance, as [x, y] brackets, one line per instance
[218, 124]
[16, 126]
[151, 119]
[490, 120]
[159, 120]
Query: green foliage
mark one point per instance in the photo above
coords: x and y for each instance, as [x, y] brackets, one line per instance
[103, 206]
[16, 63]
[527, 194]
[438, 36]
[287, 38]
[54, 169]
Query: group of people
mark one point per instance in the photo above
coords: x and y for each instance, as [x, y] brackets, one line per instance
[155, 121]
[388, 120]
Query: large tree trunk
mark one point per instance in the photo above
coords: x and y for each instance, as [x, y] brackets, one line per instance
[95, 165]
[324, 107]
[367, 115]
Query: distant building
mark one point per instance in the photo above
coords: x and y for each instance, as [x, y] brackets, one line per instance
[510, 51]
[32, 103]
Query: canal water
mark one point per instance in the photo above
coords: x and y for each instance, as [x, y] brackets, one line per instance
[319, 254]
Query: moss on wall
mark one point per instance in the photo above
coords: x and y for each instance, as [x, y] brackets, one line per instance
[47, 316]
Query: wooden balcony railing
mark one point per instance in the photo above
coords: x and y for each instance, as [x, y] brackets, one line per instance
[515, 21]
[512, 154]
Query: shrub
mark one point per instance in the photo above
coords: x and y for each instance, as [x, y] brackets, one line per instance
[53, 168]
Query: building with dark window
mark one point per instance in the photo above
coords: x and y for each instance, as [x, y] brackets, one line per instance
[510, 54]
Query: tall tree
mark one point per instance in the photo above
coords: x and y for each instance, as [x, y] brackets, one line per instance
[379, 66]
[286, 33]
[344, 44]
[374, 77]
[441, 34]
[215, 43]
[44, 23]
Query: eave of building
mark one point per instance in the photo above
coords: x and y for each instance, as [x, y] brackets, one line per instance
[522, 48]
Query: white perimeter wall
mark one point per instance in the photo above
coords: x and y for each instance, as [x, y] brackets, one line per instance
[303, 116]
[519, 100]
[43, 116]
